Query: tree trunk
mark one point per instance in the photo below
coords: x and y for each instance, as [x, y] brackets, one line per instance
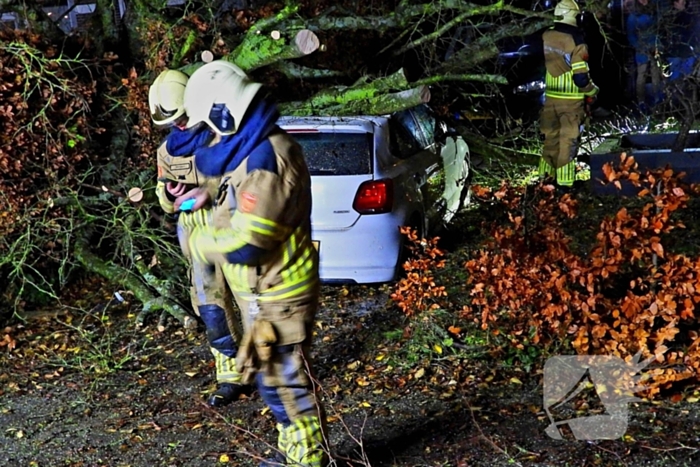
[375, 104]
[258, 49]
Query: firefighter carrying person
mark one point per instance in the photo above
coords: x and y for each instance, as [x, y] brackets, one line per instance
[177, 174]
[569, 89]
[262, 238]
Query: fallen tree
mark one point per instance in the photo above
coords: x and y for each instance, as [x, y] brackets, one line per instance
[79, 135]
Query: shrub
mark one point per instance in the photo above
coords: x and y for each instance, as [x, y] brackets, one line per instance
[417, 291]
[628, 294]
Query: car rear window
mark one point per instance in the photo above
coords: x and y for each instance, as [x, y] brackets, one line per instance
[337, 153]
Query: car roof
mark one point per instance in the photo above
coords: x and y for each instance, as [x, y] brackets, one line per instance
[356, 123]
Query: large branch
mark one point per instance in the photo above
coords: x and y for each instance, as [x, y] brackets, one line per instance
[292, 70]
[339, 96]
[258, 49]
[385, 104]
[482, 78]
[141, 291]
[377, 104]
[402, 17]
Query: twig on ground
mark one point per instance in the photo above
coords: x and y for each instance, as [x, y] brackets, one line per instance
[677, 448]
[611, 452]
[490, 441]
[244, 431]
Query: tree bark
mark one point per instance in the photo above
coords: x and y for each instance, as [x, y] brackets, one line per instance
[258, 50]
[292, 70]
[141, 291]
[369, 104]
[404, 15]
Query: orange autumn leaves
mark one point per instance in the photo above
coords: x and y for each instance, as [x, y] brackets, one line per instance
[418, 291]
[615, 286]
[628, 294]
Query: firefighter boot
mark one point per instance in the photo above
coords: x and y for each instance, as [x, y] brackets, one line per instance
[227, 393]
[277, 461]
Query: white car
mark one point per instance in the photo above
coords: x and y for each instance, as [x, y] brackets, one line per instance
[369, 177]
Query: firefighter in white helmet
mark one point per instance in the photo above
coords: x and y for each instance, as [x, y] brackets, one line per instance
[568, 87]
[211, 299]
[262, 238]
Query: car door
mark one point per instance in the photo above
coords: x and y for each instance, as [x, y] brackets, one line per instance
[439, 170]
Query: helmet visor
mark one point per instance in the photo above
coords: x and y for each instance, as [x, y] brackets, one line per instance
[161, 115]
[220, 117]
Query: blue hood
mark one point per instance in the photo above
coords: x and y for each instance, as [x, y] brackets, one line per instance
[181, 143]
[228, 153]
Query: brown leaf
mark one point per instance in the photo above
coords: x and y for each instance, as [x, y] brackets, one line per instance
[658, 249]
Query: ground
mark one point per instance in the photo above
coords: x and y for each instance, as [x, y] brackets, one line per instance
[84, 387]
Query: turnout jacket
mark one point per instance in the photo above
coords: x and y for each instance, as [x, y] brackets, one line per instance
[261, 233]
[179, 166]
[566, 60]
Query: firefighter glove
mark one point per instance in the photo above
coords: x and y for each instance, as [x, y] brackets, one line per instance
[593, 92]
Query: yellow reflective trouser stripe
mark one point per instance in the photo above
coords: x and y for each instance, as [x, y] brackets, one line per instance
[225, 368]
[305, 443]
[236, 276]
[544, 168]
[282, 438]
[282, 291]
[567, 174]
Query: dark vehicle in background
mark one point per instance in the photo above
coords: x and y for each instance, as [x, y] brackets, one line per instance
[520, 60]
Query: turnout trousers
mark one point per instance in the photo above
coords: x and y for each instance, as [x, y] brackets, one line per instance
[560, 122]
[212, 301]
[284, 375]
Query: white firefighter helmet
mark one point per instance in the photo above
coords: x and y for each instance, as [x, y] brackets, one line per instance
[219, 94]
[566, 11]
[166, 97]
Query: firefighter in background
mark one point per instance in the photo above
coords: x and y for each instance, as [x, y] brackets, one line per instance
[262, 237]
[177, 174]
[568, 89]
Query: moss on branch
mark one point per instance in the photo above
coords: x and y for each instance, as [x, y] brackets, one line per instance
[372, 103]
[258, 49]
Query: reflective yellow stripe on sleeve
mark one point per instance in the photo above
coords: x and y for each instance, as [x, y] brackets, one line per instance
[251, 223]
[207, 240]
[579, 66]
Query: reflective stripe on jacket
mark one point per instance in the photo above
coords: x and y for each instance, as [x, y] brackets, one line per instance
[566, 61]
[265, 202]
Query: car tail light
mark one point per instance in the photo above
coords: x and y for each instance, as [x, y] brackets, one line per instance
[374, 197]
